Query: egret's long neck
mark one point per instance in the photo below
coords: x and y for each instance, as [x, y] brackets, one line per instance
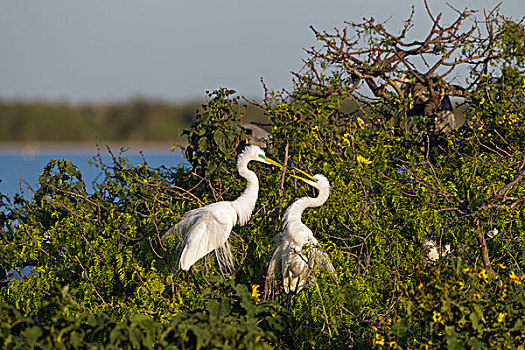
[246, 202]
[294, 211]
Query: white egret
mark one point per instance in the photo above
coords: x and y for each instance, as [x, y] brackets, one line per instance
[492, 233]
[297, 253]
[432, 252]
[207, 229]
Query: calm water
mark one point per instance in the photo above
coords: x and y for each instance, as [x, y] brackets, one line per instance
[21, 166]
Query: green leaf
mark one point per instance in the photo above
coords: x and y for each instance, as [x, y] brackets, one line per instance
[31, 335]
[475, 343]
[220, 139]
[203, 144]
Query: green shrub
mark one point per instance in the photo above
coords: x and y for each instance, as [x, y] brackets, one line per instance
[234, 320]
[456, 306]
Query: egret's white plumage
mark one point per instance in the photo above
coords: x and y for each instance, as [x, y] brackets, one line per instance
[207, 229]
[432, 251]
[297, 253]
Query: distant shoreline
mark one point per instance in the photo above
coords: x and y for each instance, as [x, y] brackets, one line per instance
[74, 147]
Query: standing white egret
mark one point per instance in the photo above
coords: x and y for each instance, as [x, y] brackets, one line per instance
[207, 229]
[297, 253]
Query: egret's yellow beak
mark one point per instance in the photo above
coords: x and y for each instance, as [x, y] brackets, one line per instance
[307, 177]
[272, 162]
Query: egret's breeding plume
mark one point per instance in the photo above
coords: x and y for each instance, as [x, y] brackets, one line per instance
[297, 253]
[207, 229]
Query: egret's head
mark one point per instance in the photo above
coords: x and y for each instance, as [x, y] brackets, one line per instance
[253, 152]
[318, 181]
[322, 182]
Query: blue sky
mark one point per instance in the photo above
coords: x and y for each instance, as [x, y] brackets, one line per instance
[114, 50]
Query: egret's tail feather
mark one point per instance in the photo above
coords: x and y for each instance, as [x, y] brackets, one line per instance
[271, 284]
[225, 259]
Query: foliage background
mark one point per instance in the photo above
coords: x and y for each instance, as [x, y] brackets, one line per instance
[102, 277]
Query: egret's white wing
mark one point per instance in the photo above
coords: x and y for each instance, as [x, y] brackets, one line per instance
[181, 229]
[207, 228]
[226, 217]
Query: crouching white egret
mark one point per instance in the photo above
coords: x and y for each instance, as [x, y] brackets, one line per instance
[207, 229]
[297, 252]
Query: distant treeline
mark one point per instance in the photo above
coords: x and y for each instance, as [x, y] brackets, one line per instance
[136, 120]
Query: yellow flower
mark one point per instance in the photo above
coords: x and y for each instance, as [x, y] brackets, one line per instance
[514, 278]
[482, 101]
[363, 160]
[501, 316]
[393, 344]
[378, 340]
[483, 274]
[315, 131]
[346, 138]
[361, 123]
[437, 317]
[503, 295]
[466, 270]
[501, 266]
[255, 293]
